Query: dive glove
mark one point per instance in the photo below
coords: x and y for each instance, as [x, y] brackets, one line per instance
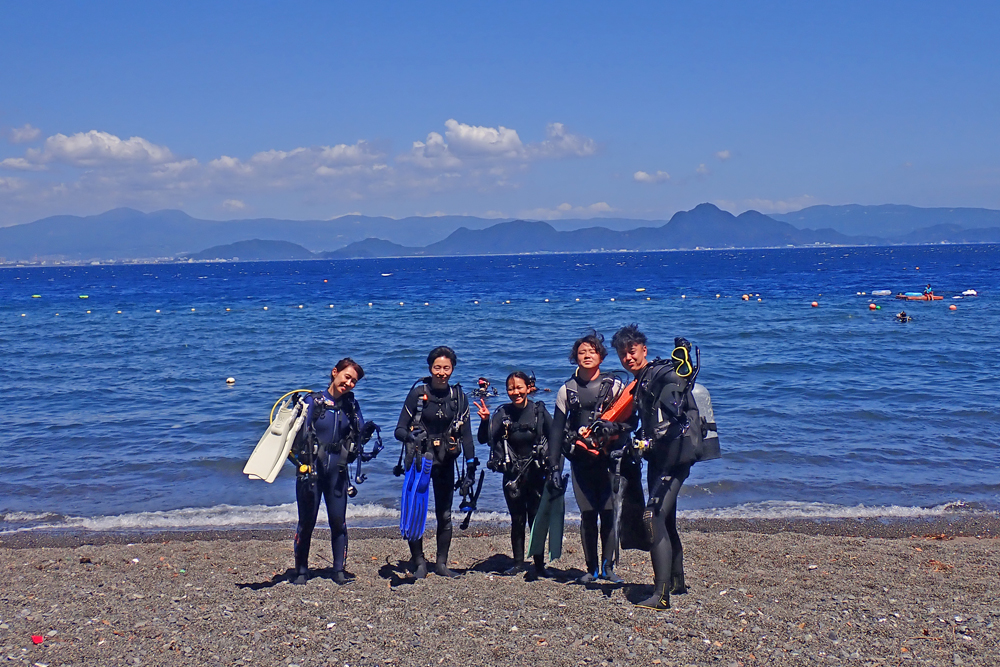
[470, 477]
[556, 483]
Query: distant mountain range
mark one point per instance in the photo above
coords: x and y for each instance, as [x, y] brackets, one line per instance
[130, 234]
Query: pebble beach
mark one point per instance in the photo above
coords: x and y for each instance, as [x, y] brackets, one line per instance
[761, 593]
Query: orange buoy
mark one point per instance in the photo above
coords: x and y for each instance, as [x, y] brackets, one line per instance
[815, 304]
[872, 306]
[952, 307]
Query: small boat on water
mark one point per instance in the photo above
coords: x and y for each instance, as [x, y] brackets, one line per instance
[917, 296]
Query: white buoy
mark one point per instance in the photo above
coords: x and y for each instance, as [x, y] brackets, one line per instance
[401, 303]
[760, 299]
[300, 305]
[426, 303]
[648, 299]
[88, 312]
[227, 310]
[230, 380]
[331, 305]
[265, 307]
[369, 304]
[717, 296]
[640, 289]
[508, 301]
[684, 296]
[612, 298]
[119, 312]
[476, 302]
[192, 310]
[158, 310]
[57, 314]
[577, 299]
[23, 315]
[546, 301]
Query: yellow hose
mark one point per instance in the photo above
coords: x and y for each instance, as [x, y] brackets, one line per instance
[271, 418]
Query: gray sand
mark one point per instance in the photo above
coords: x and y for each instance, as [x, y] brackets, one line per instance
[757, 598]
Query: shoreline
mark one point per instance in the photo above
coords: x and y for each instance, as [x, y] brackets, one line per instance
[978, 525]
[755, 599]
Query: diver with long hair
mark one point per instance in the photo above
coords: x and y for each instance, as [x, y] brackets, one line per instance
[517, 433]
[334, 427]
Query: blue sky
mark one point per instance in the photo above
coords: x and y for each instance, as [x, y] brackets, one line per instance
[543, 110]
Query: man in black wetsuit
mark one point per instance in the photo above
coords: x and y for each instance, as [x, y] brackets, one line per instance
[517, 433]
[443, 429]
[665, 407]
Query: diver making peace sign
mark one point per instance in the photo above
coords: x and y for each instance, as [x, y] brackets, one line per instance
[517, 433]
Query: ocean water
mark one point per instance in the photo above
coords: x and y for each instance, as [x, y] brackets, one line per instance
[118, 420]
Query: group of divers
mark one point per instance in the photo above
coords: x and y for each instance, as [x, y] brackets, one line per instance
[603, 426]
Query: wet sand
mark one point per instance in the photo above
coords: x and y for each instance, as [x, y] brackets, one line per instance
[762, 593]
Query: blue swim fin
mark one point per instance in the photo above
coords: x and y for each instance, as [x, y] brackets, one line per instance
[409, 480]
[418, 502]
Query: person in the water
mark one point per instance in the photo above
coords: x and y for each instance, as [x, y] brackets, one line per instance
[434, 424]
[517, 433]
[579, 405]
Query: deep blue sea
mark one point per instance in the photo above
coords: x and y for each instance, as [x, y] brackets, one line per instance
[118, 415]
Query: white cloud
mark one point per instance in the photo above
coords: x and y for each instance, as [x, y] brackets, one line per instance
[92, 149]
[24, 134]
[723, 155]
[655, 177]
[475, 141]
[702, 170]
[20, 164]
[768, 205]
[566, 210]
[234, 205]
[476, 146]
[97, 169]
[560, 143]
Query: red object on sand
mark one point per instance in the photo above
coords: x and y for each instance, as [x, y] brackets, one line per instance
[37, 639]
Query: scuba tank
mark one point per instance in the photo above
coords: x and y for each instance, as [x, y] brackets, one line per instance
[710, 436]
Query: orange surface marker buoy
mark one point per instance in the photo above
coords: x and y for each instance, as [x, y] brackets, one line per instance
[872, 306]
[952, 307]
[815, 304]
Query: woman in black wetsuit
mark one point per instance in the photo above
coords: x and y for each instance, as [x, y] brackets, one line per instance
[518, 437]
[435, 418]
[333, 424]
[579, 404]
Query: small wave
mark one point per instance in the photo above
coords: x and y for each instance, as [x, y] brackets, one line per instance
[780, 509]
[220, 516]
[372, 515]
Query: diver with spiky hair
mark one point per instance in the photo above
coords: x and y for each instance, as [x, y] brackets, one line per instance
[678, 429]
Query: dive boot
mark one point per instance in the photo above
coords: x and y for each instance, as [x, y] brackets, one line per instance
[340, 578]
[678, 587]
[659, 601]
[540, 569]
[591, 575]
[301, 576]
[517, 568]
[441, 569]
[608, 573]
[418, 564]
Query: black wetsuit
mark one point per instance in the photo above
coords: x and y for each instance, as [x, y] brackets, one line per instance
[331, 425]
[524, 462]
[592, 475]
[665, 408]
[437, 416]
